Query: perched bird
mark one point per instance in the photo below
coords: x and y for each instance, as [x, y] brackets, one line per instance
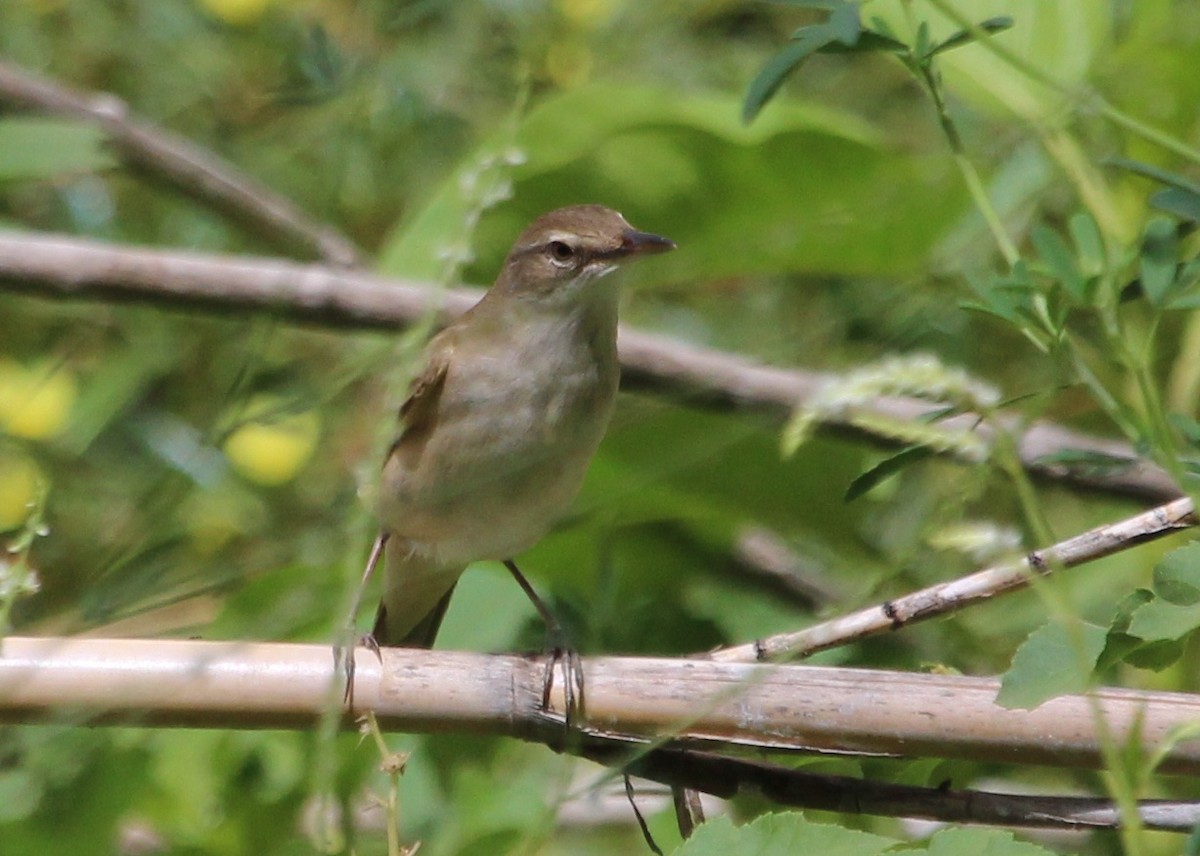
[501, 424]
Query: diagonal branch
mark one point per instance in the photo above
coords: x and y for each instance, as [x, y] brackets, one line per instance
[196, 170]
[944, 598]
[726, 777]
[71, 268]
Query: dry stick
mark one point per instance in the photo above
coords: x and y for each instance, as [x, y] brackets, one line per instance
[948, 597]
[71, 268]
[722, 776]
[223, 684]
[761, 706]
[195, 170]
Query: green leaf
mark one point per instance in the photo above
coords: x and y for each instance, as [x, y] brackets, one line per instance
[45, 148]
[1187, 279]
[981, 842]
[1089, 245]
[781, 834]
[806, 42]
[841, 32]
[1177, 576]
[1188, 427]
[1053, 660]
[1160, 619]
[1171, 179]
[884, 469]
[1127, 607]
[1086, 462]
[20, 793]
[1159, 259]
[1123, 646]
[1156, 655]
[962, 37]
[844, 24]
[1060, 261]
[868, 41]
[1184, 204]
[661, 157]
[740, 613]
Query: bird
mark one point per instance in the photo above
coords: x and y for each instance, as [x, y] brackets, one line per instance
[500, 425]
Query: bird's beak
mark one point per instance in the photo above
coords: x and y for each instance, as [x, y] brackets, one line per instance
[635, 243]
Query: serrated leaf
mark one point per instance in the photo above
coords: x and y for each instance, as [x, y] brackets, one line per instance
[1052, 661]
[1184, 204]
[806, 42]
[884, 469]
[1127, 607]
[963, 37]
[44, 148]
[1160, 619]
[781, 834]
[981, 842]
[1122, 646]
[1158, 261]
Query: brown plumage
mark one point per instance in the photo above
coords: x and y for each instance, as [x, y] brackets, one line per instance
[499, 427]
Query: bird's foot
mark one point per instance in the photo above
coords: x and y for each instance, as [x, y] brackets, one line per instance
[558, 650]
[343, 659]
[560, 653]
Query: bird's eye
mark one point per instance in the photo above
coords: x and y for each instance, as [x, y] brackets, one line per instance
[561, 251]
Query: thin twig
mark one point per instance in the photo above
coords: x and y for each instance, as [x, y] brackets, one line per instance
[70, 268]
[195, 170]
[948, 597]
[726, 777]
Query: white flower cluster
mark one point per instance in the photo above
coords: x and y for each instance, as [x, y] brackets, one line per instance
[848, 398]
[17, 580]
[483, 185]
[981, 540]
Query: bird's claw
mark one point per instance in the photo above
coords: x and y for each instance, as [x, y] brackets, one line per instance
[559, 652]
[343, 657]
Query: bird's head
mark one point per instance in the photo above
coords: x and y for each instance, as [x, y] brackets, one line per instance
[563, 251]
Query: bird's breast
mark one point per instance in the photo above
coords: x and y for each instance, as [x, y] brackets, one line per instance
[517, 425]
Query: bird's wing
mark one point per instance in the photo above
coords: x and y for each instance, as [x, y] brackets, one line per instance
[418, 413]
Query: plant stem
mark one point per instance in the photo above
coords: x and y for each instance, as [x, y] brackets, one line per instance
[1087, 95]
[975, 187]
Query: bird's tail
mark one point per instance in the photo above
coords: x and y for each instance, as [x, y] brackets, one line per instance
[416, 593]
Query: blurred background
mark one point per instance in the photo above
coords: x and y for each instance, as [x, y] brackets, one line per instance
[209, 474]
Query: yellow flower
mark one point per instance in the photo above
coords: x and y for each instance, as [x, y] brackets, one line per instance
[270, 450]
[20, 479]
[236, 12]
[35, 402]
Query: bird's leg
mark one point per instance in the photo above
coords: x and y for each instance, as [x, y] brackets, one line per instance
[343, 651]
[559, 647]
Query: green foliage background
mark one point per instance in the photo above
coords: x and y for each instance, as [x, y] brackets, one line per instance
[833, 230]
